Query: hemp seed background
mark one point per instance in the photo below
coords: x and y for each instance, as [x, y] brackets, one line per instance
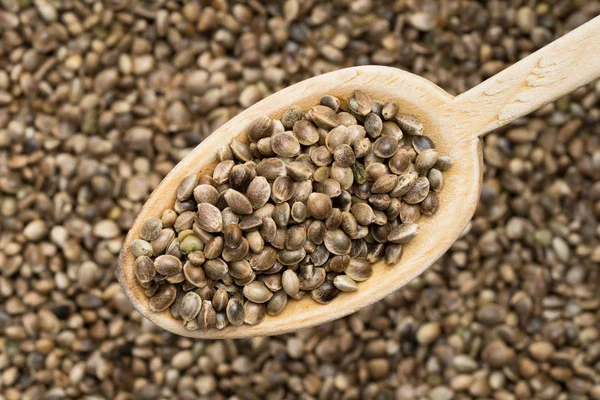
[98, 101]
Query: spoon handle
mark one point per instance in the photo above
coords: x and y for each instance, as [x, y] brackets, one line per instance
[551, 72]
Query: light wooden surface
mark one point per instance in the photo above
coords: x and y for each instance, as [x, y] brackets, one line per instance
[551, 72]
[452, 123]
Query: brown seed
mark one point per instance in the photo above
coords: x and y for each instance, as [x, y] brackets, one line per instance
[361, 147]
[298, 212]
[194, 275]
[232, 235]
[299, 171]
[409, 213]
[279, 241]
[229, 217]
[380, 201]
[385, 146]
[222, 171]
[184, 221]
[345, 283]
[225, 153]
[406, 181]
[316, 232]
[143, 268]
[376, 170]
[337, 242]
[207, 317]
[319, 205]
[363, 213]
[339, 263]
[301, 191]
[444, 163]
[186, 187]
[295, 237]
[264, 147]
[162, 241]
[436, 179]
[384, 184]
[277, 303]
[220, 299]
[283, 189]
[214, 248]
[392, 130]
[337, 137]
[255, 241]
[261, 127]
[258, 192]
[206, 194]
[376, 252]
[312, 280]
[268, 229]
[281, 214]
[162, 298]
[344, 155]
[240, 177]
[381, 232]
[290, 283]
[222, 321]
[323, 117]
[285, 144]
[329, 187]
[334, 220]
[197, 258]
[409, 124]
[235, 312]
[321, 174]
[240, 269]
[257, 292]
[168, 265]
[346, 118]
[349, 224]
[425, 161]
[331, 102]
[320, 156]
[263, 260]
[320, 255]
[215, 269]
[254, 313]
[422, 143]
[430, 205]
[306, 133]
[418, 192]
[151, 229]
[403, 233]
[359, 249]
[168, 218]
[373, 125]
[291, 117]
[190, 306]
[359, 269]
[325, 293]
[389, 110]
[238, 203]
[393, 210]
[251, 223]
[209, 218]
[399, 162]
[344, 175]
[360, 103]
[271, 168]
[393, 253]
[291, 257]
[237, 253]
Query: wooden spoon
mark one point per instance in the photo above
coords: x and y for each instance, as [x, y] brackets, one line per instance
[455, 125]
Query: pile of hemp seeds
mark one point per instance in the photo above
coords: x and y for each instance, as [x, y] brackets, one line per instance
[308, 206]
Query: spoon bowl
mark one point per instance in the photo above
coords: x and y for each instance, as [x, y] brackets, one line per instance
[458, 197]
[453, 123]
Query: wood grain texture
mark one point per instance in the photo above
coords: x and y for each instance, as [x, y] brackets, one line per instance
[458, 199]
[549, 73]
